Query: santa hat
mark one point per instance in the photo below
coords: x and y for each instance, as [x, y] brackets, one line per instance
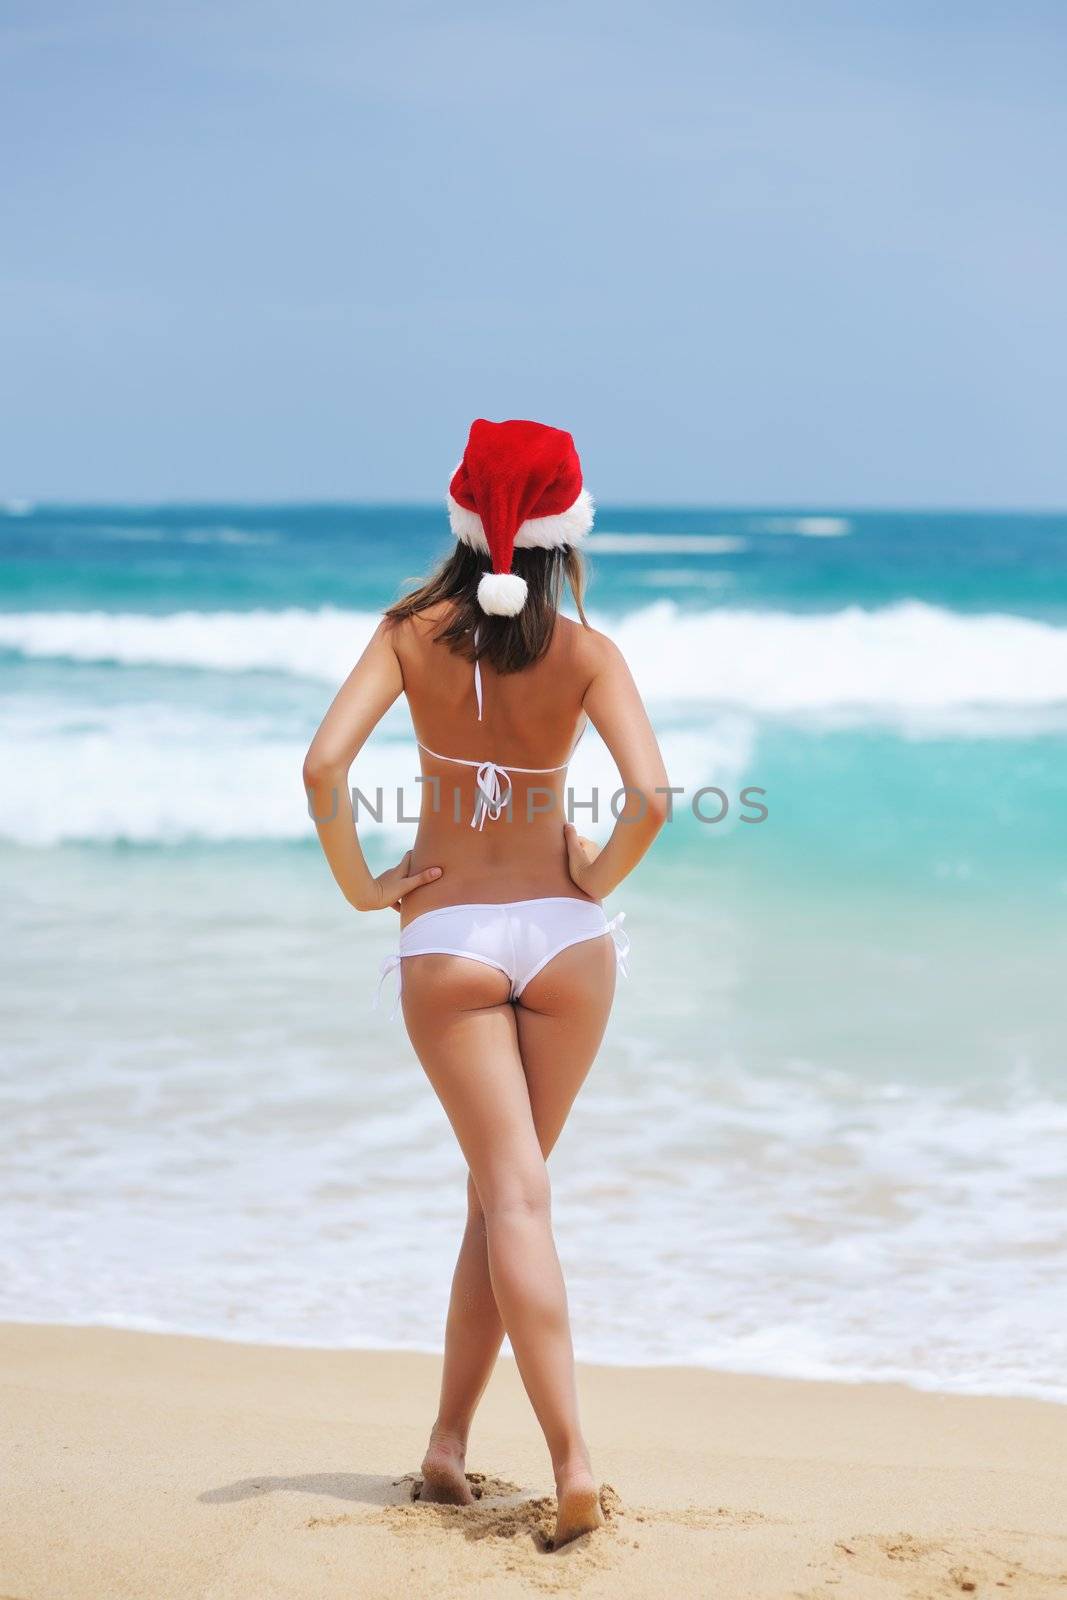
[519, 485]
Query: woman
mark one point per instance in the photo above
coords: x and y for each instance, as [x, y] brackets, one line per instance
[506, 956]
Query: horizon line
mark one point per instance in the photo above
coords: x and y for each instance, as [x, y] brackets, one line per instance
[15, 507]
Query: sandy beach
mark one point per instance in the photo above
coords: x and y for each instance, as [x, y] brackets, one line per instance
[144, 1467]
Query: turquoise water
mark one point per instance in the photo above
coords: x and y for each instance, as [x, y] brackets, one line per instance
[826, 1127]
[166, 558]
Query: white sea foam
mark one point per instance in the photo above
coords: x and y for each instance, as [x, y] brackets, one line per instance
[902, 659]
[665, 544]
[713, 580]
[807, 527]
[217, 1155]
[228, 536]
[312, 644]
[159, 774]
[128, 533]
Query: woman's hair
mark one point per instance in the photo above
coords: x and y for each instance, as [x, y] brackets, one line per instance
[509, 643]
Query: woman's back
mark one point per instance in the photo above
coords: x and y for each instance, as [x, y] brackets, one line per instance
[529, 719]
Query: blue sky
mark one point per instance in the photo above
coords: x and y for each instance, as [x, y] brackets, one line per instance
[747, 253]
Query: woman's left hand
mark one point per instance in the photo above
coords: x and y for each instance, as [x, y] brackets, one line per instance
[581, 853]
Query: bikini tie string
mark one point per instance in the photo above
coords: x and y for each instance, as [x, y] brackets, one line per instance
[621, 940]
[390, 964]
[493, 785]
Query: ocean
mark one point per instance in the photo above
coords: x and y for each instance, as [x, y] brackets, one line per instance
[825, 1136]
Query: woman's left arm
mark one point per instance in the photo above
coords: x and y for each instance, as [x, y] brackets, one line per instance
[372, 686]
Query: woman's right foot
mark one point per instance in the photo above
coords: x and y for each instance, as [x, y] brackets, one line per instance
[577, 1504]
[444, 1481]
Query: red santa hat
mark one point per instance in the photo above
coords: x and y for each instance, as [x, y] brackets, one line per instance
[519, 485]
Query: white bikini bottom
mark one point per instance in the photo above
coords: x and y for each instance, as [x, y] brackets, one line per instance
[518, 937]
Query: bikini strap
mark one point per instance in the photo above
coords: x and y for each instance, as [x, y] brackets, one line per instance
[492, 780]
[478, 697]
[464, 761]
[478, 677]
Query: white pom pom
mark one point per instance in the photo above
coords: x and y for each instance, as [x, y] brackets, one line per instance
[502, 594]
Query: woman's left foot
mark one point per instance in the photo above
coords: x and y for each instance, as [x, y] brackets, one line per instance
[577, 1505]
[444, 1481]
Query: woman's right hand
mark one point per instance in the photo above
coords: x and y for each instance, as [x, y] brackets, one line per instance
[581, 853]
[390, 887]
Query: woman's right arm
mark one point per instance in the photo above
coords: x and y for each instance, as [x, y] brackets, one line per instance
[359, 705]
[616, 710]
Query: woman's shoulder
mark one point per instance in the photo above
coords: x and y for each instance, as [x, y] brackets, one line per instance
[589, 645]
[419, 627]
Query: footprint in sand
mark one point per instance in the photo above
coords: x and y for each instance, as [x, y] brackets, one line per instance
[701, 1516]
[501, 1510]
[483, 1486]
[946, 1567]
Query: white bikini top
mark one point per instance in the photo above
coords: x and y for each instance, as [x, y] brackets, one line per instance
[492, 780]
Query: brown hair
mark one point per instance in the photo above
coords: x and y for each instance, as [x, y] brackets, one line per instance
[509, 643]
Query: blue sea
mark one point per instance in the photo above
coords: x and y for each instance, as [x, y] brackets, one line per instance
[826, 1133]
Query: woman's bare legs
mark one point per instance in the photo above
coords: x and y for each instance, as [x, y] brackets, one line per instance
[507, 1077]
[560, 1022]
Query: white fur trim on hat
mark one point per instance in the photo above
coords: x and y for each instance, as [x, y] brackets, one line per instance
[502, 594]
[536, 533]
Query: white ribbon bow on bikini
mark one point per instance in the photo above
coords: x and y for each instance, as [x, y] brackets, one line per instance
[621, 940]
[493, 784]
[391, 963]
